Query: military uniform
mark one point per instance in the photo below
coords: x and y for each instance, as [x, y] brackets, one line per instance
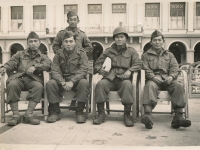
[65, 68]
[163, 66]
[16, 82]
[122, 60]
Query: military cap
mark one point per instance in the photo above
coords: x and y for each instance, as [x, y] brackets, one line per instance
[156, 33]
[33, 35]
[71, 13]
[68, 34]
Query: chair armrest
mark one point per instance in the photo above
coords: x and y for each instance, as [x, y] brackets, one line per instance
[46, 77]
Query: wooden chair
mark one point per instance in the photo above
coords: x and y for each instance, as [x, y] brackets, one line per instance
[69, 96]
[22, 97]
[164, 95]
[113, 96]
[194, 80]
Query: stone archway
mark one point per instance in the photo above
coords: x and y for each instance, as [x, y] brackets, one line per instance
[14, 48]
[197, 52]
[43, 49]
[97, 50]
[179, 51]
[146, 47]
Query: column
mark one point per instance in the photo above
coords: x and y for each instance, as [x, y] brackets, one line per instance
[106, 17]
[165, 16]
[131, 16]
[27, 18]
[59, 11]
[5, 19]
[190, 56]
[140, 15]
[82, 12]
[190, 20]
[50, 18]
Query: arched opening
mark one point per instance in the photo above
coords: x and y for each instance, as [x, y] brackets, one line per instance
[43, 49]
[197, 52]
[0, 55]
[179, 51]
[97, 50]
[146, 47]
[15, 47]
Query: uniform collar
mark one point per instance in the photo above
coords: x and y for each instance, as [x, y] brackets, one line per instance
[70, 29]
[76, 51]
[151, 51]
[116, 51]
[26, 51]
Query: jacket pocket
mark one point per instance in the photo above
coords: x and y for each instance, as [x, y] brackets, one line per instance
[126, 61]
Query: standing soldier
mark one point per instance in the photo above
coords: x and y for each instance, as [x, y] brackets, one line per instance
[28, 65]
[82, 41]
[162, 70]
[125, 60]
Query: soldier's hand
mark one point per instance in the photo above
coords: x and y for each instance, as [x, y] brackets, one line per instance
[103, 72]
[64, 85]
[168, 80]
[127, 74]
[31, 70]
[158, 79]
[2, 70]
[69, 85]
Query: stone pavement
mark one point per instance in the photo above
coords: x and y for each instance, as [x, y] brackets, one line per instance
[112, 134]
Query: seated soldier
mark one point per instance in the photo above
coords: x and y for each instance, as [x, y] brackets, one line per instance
[124, 61]
[69, 70]
[162, 71]
[24, 71]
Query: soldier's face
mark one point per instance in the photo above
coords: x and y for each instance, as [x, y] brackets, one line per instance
[73, 21]
[69, 44]
[120, 39]
[157, 42]
[33, 44]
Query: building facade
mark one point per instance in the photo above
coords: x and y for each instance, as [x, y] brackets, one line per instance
[179, 21]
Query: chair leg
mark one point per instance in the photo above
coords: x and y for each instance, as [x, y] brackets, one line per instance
[2, 105]
[42, 107]
[87, 107]
[108, 108]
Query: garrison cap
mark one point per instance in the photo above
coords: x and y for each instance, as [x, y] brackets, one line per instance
[33, 35]
[71, 13]
[68, 34]
[156, 33]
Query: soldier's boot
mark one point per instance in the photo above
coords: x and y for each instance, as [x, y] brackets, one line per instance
[147, 118]
[101, 116]
[127, 118]
[73, 104]
[178, 120]
[54, 113]
[28, 117]
[80, 117]
[16, 117]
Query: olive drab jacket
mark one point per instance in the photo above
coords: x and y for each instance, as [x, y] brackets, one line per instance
[22, 61]
[71, 67]
[164, 65]
[121, 60]
[82, 40]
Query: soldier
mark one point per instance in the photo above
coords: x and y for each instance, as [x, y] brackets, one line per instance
[24, 71]
[69, 70]
[125, 60]
[162, 70]
[82, 40]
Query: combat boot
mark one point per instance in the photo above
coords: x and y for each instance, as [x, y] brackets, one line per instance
[73, 105]
[16, 117]
[101, 116]
[147, 118]
[178, 120]
[127, 118]
[54, 113]
[80, 117]
[28, 117]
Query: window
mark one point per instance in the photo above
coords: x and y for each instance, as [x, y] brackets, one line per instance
[197, 17]
[94, 18]
[119, 17]
[177, 15]
[16, 18]
[68, 8]
[39, 17]
[152, 16]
